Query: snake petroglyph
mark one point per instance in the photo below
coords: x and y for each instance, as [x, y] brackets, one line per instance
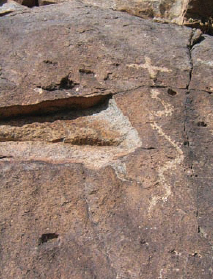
[169, 165]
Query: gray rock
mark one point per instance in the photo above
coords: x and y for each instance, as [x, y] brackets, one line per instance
[9, 7]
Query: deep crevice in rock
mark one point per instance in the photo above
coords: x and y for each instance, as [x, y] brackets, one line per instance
[45, 127]
[52, 106]
[158, 86]
[195, 38]
[188, 107]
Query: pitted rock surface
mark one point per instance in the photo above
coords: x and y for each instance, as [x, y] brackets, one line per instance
[72, 50]
[105, 146]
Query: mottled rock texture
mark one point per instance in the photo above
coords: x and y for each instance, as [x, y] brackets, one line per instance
[105, 146]
[193, 13]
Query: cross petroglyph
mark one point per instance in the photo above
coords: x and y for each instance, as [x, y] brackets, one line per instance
[153, 70]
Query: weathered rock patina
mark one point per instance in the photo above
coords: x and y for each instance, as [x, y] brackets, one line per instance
[105, 146]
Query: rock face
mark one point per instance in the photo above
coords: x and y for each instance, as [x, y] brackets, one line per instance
[193, 13]
[105, 146]
[10, 7]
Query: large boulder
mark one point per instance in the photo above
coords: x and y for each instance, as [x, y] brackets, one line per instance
[105, 146]
[193, 13]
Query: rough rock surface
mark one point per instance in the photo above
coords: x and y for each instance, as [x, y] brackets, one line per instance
[193, 13]
[10, 7]
[105, 146]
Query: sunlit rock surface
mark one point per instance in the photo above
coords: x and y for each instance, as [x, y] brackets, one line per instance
[105, 146]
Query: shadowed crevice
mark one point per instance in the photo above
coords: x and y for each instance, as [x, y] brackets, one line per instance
[52, 106]
[46, 126]
[47, 237]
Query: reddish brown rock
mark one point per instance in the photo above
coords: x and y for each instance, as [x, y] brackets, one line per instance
[202, 65]
[87, 57]
[105, 152]
[193, 13]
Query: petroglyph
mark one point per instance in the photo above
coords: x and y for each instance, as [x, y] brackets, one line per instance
[168, 108]
[169, 165]
[153, 70]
